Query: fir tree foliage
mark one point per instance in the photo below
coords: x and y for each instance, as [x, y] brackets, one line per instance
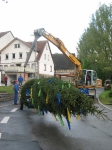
[59, 98]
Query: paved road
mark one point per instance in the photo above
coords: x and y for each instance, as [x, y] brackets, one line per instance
[15, 133]
[27, 130]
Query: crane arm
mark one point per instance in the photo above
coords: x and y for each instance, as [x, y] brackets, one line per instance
[32, 48]
[60, 45]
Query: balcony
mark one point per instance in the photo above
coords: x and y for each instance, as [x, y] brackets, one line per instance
[18, 69]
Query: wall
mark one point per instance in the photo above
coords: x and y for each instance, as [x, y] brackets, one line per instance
[49, 62]
[11, 49]
[4, 40]
[6, 97]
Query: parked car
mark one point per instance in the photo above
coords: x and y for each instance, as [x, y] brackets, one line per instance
[107, 84]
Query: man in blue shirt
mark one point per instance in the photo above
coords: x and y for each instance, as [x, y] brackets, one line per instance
[20, 80]
[84, 89]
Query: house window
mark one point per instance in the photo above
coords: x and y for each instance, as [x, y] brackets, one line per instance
[44, 56]
[48, 57]
[20, 55]
[18, 65]
[16, 45]
[6, 56]
[5, 66]
[46, 46]
[1, 67]
[44, 67]
[13, 55]
[27, 54]
[50, 68]
[33, 66]
[28, 66]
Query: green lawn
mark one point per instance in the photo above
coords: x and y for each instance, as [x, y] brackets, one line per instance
[104, 97]
[6, 89]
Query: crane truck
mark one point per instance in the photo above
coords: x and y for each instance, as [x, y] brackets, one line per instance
[81, 75]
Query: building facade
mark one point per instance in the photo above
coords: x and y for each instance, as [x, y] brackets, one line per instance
[13, 57]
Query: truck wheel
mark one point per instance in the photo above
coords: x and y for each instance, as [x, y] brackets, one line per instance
[21, 105]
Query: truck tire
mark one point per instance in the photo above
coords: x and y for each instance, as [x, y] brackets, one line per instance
[21, 105]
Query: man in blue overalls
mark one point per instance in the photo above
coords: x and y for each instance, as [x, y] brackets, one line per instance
[84, 89]
[16, 91]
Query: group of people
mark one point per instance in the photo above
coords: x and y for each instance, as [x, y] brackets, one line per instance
[20, 80]
[16, 86]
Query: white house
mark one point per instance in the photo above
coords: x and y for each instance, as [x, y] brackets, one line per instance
[44, 59]
[5, 38]
[13, 57]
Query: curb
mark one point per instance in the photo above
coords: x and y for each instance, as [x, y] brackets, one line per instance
[104, 105]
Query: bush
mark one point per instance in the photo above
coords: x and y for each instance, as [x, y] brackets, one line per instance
[110, 94]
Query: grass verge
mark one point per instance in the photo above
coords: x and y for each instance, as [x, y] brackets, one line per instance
[6, 89]
[104, 97]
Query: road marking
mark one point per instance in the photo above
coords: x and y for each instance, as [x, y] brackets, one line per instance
[6, 105]
[14, 109]
[5, 120]
[0, 135]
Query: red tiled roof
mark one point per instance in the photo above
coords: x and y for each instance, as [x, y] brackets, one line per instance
[39, 47]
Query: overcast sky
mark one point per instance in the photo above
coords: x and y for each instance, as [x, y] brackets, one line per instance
[65, 19]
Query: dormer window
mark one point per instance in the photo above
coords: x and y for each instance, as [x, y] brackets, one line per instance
[16, 45]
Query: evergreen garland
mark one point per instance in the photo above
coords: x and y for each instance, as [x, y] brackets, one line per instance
[59, 98]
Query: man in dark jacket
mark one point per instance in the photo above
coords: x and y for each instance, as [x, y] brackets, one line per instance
[5, 80]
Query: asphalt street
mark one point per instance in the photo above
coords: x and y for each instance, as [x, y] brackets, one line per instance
[26, 130]
[15, 133]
